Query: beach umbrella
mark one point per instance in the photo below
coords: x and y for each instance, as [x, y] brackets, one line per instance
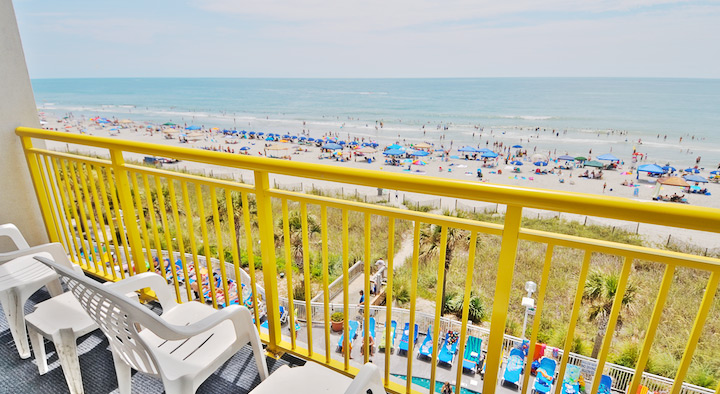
[420, 153]
[252, 133]
[270, 138]
[287, 136]
[419, 163]
[341, 142]
[468, 149]
[608, 157]
[517, 146]
[593, 163]
[422, 145]
[393, 152]
[245, 148]
[489, 154]
[303, 138]
[294, 137]
[695, 178]
[332, 146]
[541, 163]
[169, 124]
[669, 169]
[311, 139]
[650, 168]
[516, 163]
[566, 157]
[673, 181]
[580, 158]
[715, 172]
[407, 161]
[395, 146]
[193, 127]
[262, 133]
[691, 170]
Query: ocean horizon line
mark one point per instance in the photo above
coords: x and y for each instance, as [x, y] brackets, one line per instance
[395, 78]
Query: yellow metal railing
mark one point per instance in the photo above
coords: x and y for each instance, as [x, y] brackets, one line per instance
[116, 218]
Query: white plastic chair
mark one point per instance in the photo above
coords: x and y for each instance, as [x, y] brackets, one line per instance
[183, 346]
[313, 378]
[20, 277]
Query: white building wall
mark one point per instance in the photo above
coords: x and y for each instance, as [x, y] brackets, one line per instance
[18, 203]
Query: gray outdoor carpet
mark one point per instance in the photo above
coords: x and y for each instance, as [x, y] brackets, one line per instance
[238, 375]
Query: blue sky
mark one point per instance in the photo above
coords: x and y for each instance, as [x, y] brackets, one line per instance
[371, 38]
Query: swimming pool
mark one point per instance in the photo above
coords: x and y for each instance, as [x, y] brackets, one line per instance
[422, 382]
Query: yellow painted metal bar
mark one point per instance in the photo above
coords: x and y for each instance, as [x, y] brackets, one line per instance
[573, 320]
[76, 209]
[153, 225]
[220, 248]
[143, 224]
[306, 276]
[206, 246]
[251, 256]
[610, 329]
[57, 199]
[652, 327]
[685, 216]
[119, 220]
[366, 315]
[40, 190]
[126, 204]
[438, 308]
[288, 271]
[85, 234]
[180, 241]
[168, 239]
[325, 282]
[66, 201]
[413, 298]
[388, 295]
[466, 310]
[503, 284]
[104, 248]
[46, 182]
[234, 242]
[705, 305]
[96, 248]
[267, 248]
[346, 284]
[117, 264]
[544, 281]
[193, 246]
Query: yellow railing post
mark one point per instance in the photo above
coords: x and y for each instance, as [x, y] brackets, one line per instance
[267, 250]
[503, 283]
[128, 209]
[40, 192]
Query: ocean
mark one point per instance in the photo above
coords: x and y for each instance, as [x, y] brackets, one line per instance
[578, 116]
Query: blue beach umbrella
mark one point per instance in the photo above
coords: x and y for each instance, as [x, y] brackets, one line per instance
[541, 163]
[303, 138]
[245, 148]
[489, 154]
[395, 146]
[517, 146]
[715, 172]
[311, 139]
[332, 146]
[270, 138]
[516, 163]
[468, 149]
[286, 136]
[420, 153]
[252, 133]
[193, 127]
[669, 169]
[691, 170]
[393, 152]
[261, 133]
[695, 178]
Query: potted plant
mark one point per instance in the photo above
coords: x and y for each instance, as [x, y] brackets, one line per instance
[337, 321]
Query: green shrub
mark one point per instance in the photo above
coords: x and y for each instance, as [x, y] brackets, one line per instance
[628, 355]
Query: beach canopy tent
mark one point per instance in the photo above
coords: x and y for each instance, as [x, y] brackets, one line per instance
[394, 152]
[541, 163]
[608, 157]
[692, 170]
[490, 154]
[581, 158]
[366, 149]
[468, 148]
[193, 127]
[593, 163]
[517, 146]
[651, 168]
[516, 163]
[422, 145]
[566, 157]
[332, 146]
[673, 181]
[420, 153]
[695, 178]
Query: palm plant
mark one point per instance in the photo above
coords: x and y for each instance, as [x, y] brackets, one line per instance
[430, 241]
[295, 231]
[600, 291]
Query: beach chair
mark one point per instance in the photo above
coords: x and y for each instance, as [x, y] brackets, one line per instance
[404, 341]
[513, 368]
[571, 383]
[545, 376]
[605, 385]
[448, 348]
[426, 347]
[471, 357]
[371, 331]
[381, 341]
[352, 334]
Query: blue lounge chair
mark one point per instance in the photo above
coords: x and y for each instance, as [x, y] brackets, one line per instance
[514, 367]
[381, 340]
[352, 334]
[448, 348]
[404, 345]
[371, 328]
[471, 357]
[545, 376]
[426, 347]
[605, 385]
[571, 383]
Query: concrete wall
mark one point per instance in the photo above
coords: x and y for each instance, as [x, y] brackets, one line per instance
[18, 203]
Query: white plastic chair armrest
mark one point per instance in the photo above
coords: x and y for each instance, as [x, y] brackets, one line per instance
[368, 378]
[55, 250]
[11, 231]
[239, 315]
[148, 279]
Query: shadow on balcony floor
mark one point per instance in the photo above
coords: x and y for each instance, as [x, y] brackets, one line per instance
[238, 375]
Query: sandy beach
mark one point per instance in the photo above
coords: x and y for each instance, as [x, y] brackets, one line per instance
[452, 166]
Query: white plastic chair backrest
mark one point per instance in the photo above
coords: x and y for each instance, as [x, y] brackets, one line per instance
[118, 317]
[367, 381]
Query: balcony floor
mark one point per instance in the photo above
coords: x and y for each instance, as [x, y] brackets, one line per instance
[238, 375]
